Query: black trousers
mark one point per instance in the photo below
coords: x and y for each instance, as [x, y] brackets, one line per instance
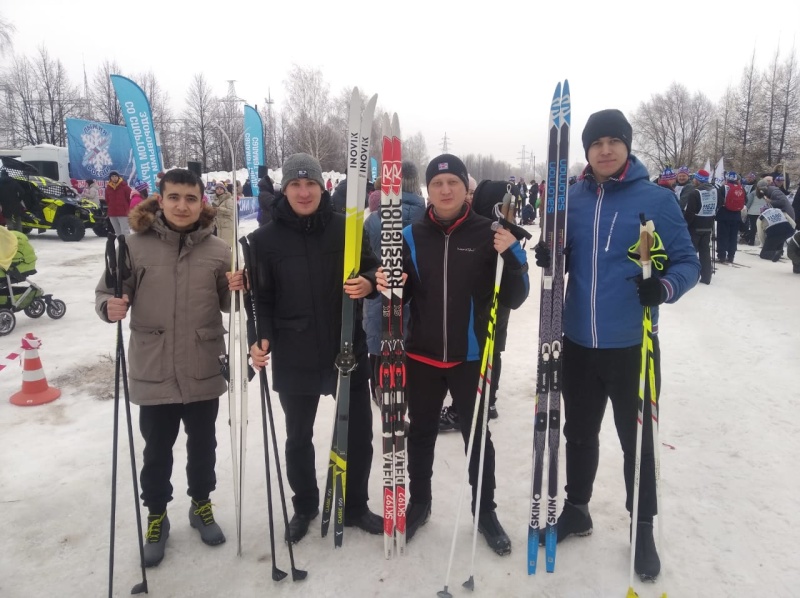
[727, 237]
[701, 239]
[301, 411]
[159, 425]
[427, 387]
[750, 229]
[774, 240]
[591, 377]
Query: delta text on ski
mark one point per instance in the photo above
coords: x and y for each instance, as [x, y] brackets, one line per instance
[143, 139]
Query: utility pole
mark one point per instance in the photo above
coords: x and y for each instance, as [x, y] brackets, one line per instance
[444, 143]
[269, 102]
[523, 154]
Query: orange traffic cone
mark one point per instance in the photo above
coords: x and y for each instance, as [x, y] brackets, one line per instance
[35, 390]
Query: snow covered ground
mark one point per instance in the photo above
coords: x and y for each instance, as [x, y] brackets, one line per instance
[730, 476]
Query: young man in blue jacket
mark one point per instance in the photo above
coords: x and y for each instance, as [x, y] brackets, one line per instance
[603, 318]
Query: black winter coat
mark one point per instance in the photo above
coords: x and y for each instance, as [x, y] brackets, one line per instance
[266, 195]
[300, 262]
[451, 282]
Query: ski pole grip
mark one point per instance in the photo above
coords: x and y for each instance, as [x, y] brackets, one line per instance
[646, 238]
[516, 230]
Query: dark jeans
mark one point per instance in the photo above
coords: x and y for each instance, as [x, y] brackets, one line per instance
[591, 377]
[701, 240]
[727, 237]
[750, 229]
[427, 386]
[301, 411]
[774, 239]
[159, 425]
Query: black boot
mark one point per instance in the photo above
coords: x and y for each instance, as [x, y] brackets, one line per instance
[201, 517]
[646, 562]
[417, 515]
[155, 540]
[495, 535]
[298, 526]
[368, 521]
[574, 520]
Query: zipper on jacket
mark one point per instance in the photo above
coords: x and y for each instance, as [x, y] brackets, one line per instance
[444, 302]
[595, 253]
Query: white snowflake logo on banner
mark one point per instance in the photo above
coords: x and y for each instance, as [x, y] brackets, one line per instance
[96, 141]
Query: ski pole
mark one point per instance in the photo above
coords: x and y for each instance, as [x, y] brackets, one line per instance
[250, 253]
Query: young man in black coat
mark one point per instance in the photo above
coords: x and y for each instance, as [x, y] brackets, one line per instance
[449, 259]
[300, 261]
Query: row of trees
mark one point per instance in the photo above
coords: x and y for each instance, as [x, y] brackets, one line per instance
[755, 125]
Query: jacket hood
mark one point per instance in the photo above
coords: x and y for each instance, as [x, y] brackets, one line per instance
[148, 214]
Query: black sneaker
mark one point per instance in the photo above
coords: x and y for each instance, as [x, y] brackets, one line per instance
[572, 522]
[368, 521]
[495, 535]
[493, 412]
[298, 526]
[646, 562]
[449, 419]
[417, 515]
[201, 517]
[155, 540]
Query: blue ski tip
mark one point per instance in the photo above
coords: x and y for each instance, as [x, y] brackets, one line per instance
[555, 106]
[566, 104]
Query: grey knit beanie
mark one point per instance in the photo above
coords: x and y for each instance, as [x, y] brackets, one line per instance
[302, 166]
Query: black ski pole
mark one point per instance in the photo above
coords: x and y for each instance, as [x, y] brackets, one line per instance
[116, 272]
[251, 257]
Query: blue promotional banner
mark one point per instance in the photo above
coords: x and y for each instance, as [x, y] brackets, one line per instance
[374, 164]
[139, 121]
[95, 149]
[248, 208]
[253, 143]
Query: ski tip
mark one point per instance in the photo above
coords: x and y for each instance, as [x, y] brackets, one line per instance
[557, 92]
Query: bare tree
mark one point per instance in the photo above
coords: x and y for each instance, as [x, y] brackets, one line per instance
[103, 96]
[670, 127]
[6, 33]
[163, 122]
[487, 167]
[198, 116]
[39, 97]
[416, 150]
[770, 91]
[309, 108]
[788, 90]
[746, 117]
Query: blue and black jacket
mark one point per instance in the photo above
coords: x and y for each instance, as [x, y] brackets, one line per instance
[450, 285]
[602, 308]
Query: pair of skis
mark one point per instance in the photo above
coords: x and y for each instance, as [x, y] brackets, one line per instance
[547, 424]
[358, 136]
[392, 372]
[236, 369]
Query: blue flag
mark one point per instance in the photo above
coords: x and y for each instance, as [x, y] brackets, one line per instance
[95, 149]
[253, 143]
[139, 121]
[374, 164]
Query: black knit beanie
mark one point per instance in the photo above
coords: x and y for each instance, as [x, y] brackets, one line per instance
[446, 164]
[607, 123]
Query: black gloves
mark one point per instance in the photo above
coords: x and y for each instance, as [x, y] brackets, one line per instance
[544, 258]
[651, 291]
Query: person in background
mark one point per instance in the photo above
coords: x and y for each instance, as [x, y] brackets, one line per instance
[473, 184]
[729, 218]
[266, 195]
[534, 198]
[138, 194]
[701, 208]
[11, 201]
[118, 199]
[329, 185]
[683, 186]
[225, 206]
[247, 189]
[793, 251]
[91, 192]
[776, 222]
[756, 203]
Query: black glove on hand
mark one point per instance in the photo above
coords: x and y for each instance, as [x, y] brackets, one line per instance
[651, 291]
[544, 258]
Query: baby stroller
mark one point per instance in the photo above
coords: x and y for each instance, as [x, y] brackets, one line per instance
[17, 293]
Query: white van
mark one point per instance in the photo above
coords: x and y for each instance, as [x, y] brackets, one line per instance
[51, 161]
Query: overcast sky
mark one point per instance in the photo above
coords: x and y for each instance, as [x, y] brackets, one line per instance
[482, 72]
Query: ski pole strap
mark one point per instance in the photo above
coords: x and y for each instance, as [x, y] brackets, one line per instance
[658, 254]
[516, 230]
